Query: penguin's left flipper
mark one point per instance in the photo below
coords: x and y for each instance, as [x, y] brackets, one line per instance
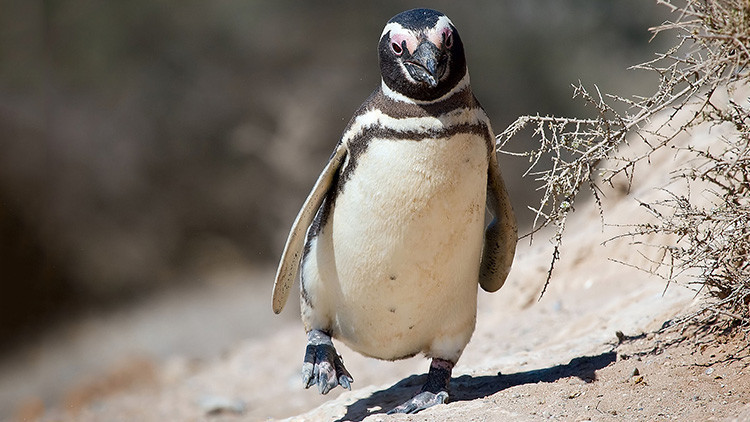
[290, 258]
[322, 365]
[501, 235]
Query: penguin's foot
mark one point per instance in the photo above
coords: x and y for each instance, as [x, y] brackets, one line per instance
[434, 391]
[322, 365]
[421, 401]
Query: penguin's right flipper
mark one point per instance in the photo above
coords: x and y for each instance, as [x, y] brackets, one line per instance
[290, 258]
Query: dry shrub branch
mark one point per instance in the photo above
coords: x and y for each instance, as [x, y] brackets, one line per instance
[709, 231]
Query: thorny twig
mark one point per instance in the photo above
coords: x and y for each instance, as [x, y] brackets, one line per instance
[711, 54]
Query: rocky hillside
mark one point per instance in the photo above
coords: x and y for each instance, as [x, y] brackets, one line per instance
[601, 344]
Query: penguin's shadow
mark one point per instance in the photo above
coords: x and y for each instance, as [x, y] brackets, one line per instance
[468, 387]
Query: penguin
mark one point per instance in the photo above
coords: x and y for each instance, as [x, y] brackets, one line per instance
[391, 242]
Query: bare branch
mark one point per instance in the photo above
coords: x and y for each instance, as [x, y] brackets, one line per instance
[711, 54]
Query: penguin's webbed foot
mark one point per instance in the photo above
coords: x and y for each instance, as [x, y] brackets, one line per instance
[421, 401]
[322, 365]
[434, 391]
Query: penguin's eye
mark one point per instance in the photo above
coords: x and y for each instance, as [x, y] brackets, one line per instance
[448, 40]
[397, 49]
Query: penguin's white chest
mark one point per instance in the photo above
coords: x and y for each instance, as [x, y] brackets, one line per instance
[405, 239]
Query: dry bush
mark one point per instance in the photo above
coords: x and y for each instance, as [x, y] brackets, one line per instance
[711, 237]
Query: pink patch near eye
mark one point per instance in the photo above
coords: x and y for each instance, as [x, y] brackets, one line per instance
[397, 43]
[442, 38]
[448, 38]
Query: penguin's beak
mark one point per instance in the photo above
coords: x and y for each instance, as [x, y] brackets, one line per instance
[427, 64]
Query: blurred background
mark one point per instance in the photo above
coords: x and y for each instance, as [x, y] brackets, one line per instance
[150, 148]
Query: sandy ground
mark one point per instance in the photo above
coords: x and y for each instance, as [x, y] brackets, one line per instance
[559, 358]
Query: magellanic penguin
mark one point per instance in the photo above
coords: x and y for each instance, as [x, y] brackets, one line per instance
[392, 239]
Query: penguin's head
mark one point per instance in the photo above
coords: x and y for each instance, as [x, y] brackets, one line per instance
[421, 54]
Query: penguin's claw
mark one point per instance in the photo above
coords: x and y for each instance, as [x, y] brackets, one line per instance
[420, 402]
[322, 365]
[434, 391]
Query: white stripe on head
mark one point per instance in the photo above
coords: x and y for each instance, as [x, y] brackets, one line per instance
[443, 22]
[399, 35]
[393, 27]
[463, 83]
[435, 34]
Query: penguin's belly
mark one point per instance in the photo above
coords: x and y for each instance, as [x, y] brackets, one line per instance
[406, 238]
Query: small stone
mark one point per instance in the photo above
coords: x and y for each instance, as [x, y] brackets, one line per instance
[709, 371]
[214, 405]
[636, 372]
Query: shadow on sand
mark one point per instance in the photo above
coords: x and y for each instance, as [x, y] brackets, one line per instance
[468, 387]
